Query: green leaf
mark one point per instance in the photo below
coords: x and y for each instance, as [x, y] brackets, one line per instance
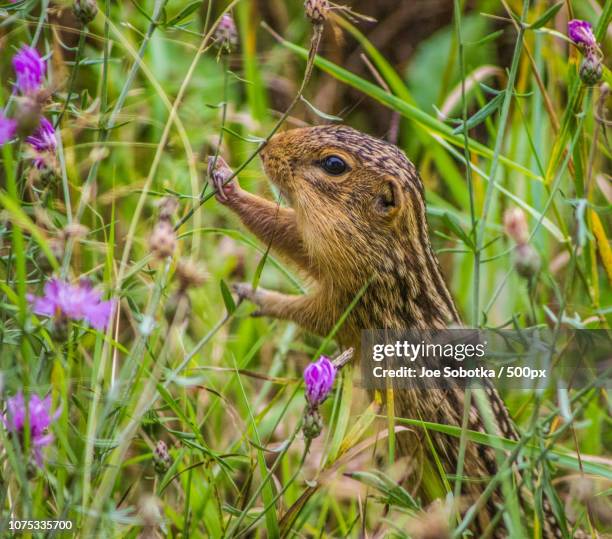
[256, 90]
[184, 13]
[142, 11]
[228, 299]
[260, 267]
[249, 138]
[558, 456]
[452, 223]
[320, 113]
[482, 114]
[340, 417]
[486, 39]
[393, 494]
[547, 15]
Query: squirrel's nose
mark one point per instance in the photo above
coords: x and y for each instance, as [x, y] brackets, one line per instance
[262, 152]
[266, 149]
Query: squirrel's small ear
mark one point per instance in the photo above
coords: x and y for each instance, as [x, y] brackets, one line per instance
[390, 198]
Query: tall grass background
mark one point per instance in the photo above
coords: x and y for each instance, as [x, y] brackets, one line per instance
[142, 96]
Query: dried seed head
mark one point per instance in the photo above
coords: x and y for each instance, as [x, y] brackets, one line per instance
[75, 231]
[168, 206]
[226, 35]
[316, 10]
[151, 516]
[526, 261]
[189, 274]
[515, 225]
[162, 242]
[85, 10]
[27, 114]
[42, 219]
[161, 458]
[432, 524]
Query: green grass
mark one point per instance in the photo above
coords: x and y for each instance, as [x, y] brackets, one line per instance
[149, 98]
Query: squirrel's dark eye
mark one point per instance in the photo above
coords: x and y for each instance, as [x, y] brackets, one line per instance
[333, 165]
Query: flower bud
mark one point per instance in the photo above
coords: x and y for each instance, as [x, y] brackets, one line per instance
[515, 225]
[319, 379]
[161, 458]
[226, 35]
[526, 261]
[27, 114]
[162, 242]
[581, 33]
[591, 69]
[85, 10]
[313, 423]
[316, 10]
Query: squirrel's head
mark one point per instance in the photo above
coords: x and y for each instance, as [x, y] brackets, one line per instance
[352, 193]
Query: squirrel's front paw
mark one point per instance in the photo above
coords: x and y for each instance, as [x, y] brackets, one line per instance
[246, 291]
[218, 174]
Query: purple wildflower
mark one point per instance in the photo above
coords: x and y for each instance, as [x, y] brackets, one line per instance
[319, 378]
[30, 70]
[7, 128]
[40, 419]
[43, 141]
[581, 33]
[77, 302]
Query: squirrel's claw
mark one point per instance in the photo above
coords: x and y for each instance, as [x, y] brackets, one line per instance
[219, 175]
[245, 291]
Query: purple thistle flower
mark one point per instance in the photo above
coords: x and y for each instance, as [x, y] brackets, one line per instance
[319, 378]
[43, 140]
[77, 302]
[581, 33]
[40, 419]
[30, 70]
[7, 128]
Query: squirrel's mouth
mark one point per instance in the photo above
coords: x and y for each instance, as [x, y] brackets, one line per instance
[279, 171]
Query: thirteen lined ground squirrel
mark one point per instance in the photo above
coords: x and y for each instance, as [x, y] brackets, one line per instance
[357, 215]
